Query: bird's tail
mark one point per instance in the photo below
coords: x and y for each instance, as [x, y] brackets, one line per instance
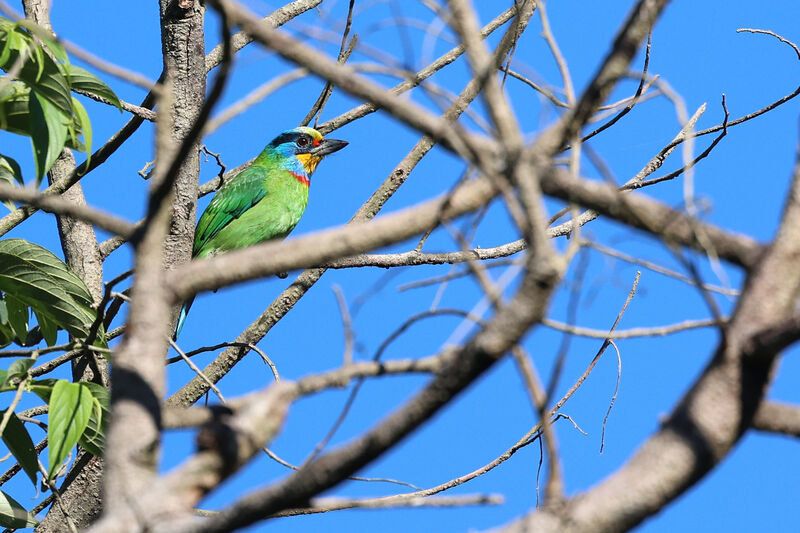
[182, 317]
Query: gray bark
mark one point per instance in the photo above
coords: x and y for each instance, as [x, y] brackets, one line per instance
[183, 47]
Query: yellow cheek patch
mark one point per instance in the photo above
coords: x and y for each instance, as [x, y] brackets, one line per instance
[309, 162]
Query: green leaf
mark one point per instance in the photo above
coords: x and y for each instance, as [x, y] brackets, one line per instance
[15, 116]
[37, 65]
[84, 80]
[13, 515]
[10, 172]
[5, 51]
[12, 169]
[6, 332]
[44, 260]
[94, 438]
[14, 41]
[83, 122]
[70, 408]
[48, 132]
[48, 328]
[18, 369]
[42, 281]
[42, 388]
[45, 77]
[46, 37]
[18, 316]
[6, 335]
[19, 443]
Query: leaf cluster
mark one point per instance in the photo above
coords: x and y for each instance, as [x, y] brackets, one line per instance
[36, 283]
[36, 96]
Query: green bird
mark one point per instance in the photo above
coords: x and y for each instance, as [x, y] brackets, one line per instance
[264, 201]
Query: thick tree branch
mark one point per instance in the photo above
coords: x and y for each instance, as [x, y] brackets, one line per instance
[780, 418]
[63, 205]
[183, 45]
[227, 442]
[277, 18]
[232, 434]
[133, 438]
[652, 216]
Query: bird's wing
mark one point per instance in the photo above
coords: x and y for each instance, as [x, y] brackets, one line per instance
[244, 191]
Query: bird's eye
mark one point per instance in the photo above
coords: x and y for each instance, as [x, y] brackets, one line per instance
[302, 141]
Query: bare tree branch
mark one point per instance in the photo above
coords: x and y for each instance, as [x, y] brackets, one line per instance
[134, 432]
[780, 418]
[713, 414]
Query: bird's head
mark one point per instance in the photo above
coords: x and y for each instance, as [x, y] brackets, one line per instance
[305, 144]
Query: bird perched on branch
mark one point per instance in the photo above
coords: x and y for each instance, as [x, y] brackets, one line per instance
[264, 201]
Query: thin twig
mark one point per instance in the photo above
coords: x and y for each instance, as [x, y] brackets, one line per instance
[657, 331]
[613, 398]
[635, 99]
[767, 32]
[344, 54]
[248, 101]
[197, 370]
[375, 358]
[602, 349]
[57, 496]
[655, 267]
[272, 455]
[21, 386]
[16, 468]
[324, 505]
[347, 325]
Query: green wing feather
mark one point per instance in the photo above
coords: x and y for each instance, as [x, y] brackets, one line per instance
[241, 193]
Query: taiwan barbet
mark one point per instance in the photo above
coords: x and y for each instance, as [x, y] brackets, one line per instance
[264, 201]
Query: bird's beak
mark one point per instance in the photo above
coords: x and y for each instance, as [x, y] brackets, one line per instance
[327, 146]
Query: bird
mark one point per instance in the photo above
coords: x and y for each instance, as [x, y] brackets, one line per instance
[262, 202]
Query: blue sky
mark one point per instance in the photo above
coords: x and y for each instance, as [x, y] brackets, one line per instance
[695, 49]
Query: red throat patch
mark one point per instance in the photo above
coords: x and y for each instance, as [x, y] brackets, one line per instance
[302, 178]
